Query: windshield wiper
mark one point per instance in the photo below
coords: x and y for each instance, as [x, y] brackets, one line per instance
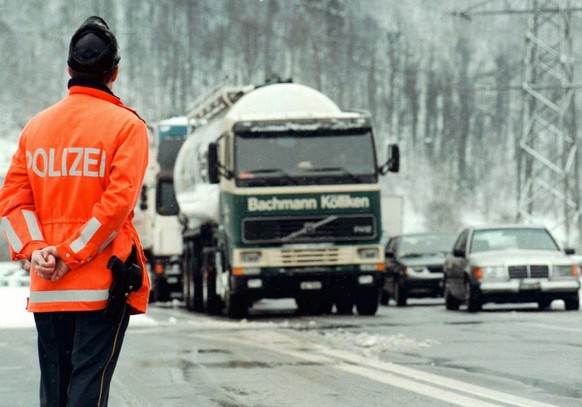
[340, 169]
[274, 171]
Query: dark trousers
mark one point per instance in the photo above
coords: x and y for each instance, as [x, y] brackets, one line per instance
[78, 352]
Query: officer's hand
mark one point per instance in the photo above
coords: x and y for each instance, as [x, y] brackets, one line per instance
[44, 263]
[61, 267]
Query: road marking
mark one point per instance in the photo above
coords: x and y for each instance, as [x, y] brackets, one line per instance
[434, 379]
[556, 328]
[427, 384]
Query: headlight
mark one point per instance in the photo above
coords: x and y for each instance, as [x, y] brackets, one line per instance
[491, 273]
[565, 270]
[368, 253]
[250, 257]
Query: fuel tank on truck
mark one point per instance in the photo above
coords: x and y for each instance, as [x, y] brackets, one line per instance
[197, 198]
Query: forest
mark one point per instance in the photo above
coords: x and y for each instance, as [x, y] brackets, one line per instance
[441, 86]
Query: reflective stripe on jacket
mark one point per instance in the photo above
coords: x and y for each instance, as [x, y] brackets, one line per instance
[73, 183]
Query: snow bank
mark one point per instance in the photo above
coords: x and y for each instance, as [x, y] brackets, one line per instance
[13, 312]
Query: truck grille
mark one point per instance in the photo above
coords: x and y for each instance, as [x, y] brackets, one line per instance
[532, 271]
[316, 256]
[309, 229]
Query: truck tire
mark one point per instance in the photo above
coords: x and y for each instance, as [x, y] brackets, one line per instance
[187, 278]
[235, 306]
[212, 301]
[367, 302]
[161, 291]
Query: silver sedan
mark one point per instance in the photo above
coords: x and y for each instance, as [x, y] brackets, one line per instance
[509, 264]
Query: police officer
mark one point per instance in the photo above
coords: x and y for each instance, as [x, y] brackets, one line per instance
[67, 207]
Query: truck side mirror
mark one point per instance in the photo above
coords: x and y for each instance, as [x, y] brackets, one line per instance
[213, 164]
[394, 160]
[143, 198]
[393, 163]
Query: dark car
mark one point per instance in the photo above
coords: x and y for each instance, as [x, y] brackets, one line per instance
[414, 266]
[510, 264]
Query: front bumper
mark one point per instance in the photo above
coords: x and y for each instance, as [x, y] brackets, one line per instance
[292, 285]
[423, 287]
[527, 290]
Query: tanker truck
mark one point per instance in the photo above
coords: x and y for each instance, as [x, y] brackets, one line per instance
[279, 197]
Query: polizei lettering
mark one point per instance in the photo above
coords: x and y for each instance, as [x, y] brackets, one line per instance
[255, 204]
[70, 162]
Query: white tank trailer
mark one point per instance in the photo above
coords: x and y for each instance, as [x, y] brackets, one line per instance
[279, 197]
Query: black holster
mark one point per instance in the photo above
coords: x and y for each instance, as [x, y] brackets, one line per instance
[126, 278]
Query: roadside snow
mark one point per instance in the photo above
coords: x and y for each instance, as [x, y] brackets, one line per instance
[13, 312]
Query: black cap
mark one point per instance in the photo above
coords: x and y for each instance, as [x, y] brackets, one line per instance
[93, 49]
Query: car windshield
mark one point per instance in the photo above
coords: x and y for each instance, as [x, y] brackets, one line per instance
[425, 245]
[512, 239]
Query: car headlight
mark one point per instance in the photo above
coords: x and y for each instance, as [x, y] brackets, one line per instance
[565, 270]
[369, 253]
[491, 273]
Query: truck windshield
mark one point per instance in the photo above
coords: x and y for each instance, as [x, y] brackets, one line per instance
[305, 158]
[166, 204]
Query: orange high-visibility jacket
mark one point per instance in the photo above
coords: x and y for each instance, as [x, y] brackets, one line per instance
[73, 183]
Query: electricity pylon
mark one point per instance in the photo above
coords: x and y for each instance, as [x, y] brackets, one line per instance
[548, 158]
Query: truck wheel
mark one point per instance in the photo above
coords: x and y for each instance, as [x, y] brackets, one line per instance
[235, 306]
[367, 302]
[188, 280]
[213, 304]
[161, 292]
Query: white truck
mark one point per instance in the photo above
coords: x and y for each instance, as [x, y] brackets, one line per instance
[156, 217]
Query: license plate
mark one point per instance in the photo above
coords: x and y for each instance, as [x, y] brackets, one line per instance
[172, 280]
[530, 286]
[310, 285]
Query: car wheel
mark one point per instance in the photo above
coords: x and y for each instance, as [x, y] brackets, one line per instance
[400, 295]
[472, 304]
[572, 303]
[451, 302]
[544, 304]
